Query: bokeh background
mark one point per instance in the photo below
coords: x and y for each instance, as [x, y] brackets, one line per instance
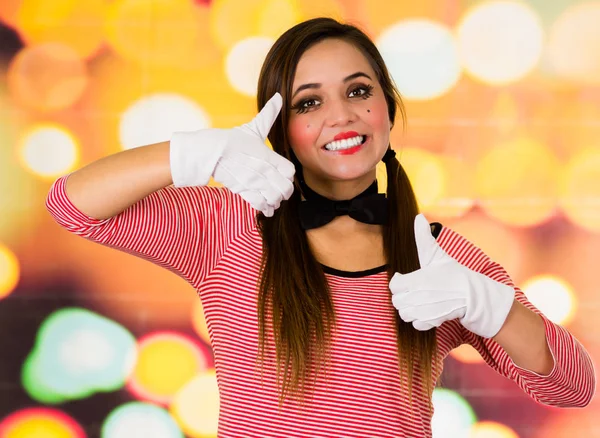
[502, 144]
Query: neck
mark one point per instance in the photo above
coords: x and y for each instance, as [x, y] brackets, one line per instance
[339, 190]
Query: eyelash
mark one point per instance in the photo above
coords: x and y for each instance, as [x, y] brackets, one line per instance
[301, 109]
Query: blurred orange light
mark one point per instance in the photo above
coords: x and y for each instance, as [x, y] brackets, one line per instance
[161, 32]
[233, 20]
[277, 16]
[9, 271]
[77, 24]
[427, 175]
[380, 15]
[580, 189]
[322, 8]
[47, 77]
[491, 429]
[9, 11]
[459, 195]
[574, 43]
[466, 354]
[516, 182]
[503, 245]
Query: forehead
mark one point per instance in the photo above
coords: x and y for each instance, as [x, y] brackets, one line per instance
[329, 61]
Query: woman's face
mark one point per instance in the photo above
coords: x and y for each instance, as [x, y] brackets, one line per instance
[336, 95]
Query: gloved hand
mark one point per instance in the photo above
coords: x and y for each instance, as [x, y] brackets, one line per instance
[443, 289]
[238, 158]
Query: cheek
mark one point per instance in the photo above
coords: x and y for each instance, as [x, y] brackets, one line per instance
[378, 117]
[302, 134]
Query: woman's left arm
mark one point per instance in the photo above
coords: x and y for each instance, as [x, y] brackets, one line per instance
[543, 358]
[458, 281]
[523, 337]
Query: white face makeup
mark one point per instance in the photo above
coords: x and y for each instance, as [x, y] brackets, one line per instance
[339, 123]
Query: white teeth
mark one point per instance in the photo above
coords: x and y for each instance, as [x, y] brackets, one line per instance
[344, 144]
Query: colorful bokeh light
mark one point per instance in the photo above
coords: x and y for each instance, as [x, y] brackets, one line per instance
[154, 118]
[76, 354]
[453, 416]
[580, 189]
[77, 24]
[516, 182]
[47, 77]
[553, 297]
[244, 62]
[9, 271]
[196, 406]
[166, 362]
[574, 44]
[500, 41]
[170, 33]
[140, 420]
[422, 58]
[427, 176]
[49, 150]
[40, 422]
[491, 429]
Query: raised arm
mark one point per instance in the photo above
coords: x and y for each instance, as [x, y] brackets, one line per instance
[238, 158]
[108, 186]
[126, 200]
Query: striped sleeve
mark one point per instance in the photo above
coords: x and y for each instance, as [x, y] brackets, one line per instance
[572, 381]
[185, 230]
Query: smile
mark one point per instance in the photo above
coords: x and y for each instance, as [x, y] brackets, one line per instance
[346, 143]
[348, 148]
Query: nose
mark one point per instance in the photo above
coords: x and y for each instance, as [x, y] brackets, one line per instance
[339, 113]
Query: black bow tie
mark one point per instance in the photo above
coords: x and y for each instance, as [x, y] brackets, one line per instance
[369, 207]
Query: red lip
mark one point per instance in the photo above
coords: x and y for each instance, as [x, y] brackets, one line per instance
[345, 135]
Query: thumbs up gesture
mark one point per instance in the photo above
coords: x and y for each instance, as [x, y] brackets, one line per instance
[443, 290]
[238, 158]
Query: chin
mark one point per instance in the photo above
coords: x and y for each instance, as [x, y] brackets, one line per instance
[347, 173]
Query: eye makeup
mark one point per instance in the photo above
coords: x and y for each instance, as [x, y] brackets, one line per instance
[308, 102]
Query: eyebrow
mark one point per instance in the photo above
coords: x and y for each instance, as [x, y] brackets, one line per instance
[358, 74]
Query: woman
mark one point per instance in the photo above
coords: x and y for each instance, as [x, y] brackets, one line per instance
[330, 307]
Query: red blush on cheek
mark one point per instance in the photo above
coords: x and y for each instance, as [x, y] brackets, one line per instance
[302, 134]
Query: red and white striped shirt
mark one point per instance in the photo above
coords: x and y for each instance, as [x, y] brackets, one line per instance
[209, 237]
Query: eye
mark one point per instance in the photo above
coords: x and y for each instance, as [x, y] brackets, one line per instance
[364, 91]
[305, 105]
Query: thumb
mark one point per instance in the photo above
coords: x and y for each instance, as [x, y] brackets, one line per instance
[426, 243]
[262, 123]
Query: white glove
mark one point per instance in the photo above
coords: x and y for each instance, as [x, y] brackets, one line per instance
[443, 289]
[238, 158]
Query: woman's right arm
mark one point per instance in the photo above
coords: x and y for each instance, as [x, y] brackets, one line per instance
[126, 201]
[108, 186]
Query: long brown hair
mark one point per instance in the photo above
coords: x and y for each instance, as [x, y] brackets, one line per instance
[294, 301]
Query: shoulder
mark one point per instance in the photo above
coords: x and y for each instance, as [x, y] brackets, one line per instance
[461, 249]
